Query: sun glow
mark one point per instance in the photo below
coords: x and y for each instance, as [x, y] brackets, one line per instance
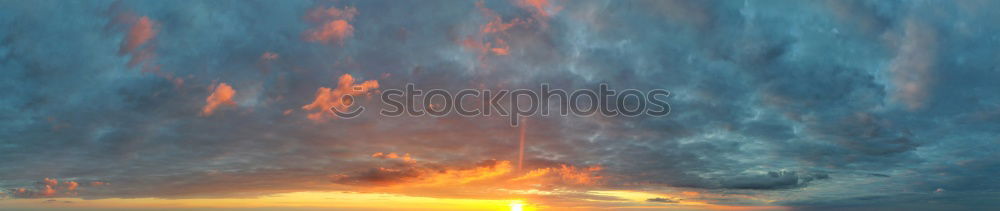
[350, 200]
[520, 205]
[516, 206]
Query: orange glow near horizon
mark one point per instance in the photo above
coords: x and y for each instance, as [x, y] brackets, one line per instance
[492, 185]
[375, 201]
[350, 200]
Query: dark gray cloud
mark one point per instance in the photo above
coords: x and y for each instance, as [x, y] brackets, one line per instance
[661, 200]
[771, 180]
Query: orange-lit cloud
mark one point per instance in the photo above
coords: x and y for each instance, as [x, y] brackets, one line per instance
[501, 51]
[141, 32]
[222, 95]
[51, 182]
[269, 56]
[47, 191]
[333, 31]
[405, 157]
[71, 185]
[539, 8]
[690, 193]
[494, 38]
[327, 98]
[488, 179]
[486, 176]
[491, 38]
[563, 174]
[421, 175]
[487, 170]
[48, 187]
[136, 44]
[333, 25]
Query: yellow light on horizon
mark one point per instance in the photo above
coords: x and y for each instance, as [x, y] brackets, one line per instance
[516, 206]
[521, 205]
[345, 200]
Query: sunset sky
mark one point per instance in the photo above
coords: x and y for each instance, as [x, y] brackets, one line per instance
[225, 105]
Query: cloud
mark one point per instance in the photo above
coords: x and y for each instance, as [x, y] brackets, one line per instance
[563, 174]
[415, 174]
[222, 95]
[334, 31]
[136, 43]
[327, 98]
[71, 185]
[491, 38]
[912, 70]
[771, 180]
[269, 56]
[50, 182]
[661, 200]
[138, 34]
[489, 176]
[140, 31]
[405, 158]
[539, 8]
[47, 191]
[266, 60]
[320, 14]
[46, 188]
[57, 201]
[333, 24]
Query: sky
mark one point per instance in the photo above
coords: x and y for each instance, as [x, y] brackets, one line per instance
[775, 105]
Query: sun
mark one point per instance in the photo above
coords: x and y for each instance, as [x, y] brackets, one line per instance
[516, 206]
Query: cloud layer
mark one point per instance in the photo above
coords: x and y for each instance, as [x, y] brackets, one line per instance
[794, 104]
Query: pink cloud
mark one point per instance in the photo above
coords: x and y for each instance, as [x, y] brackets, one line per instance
[221, 96]
[140, 33]
[50, 182]
[71, 185]
[333, 31]
[137, 44]
[405, 157]
[47, 191]
[539, 8]
[491, 39]
[47, 188]
[327, 98]
[333, 25]
[268, 56]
